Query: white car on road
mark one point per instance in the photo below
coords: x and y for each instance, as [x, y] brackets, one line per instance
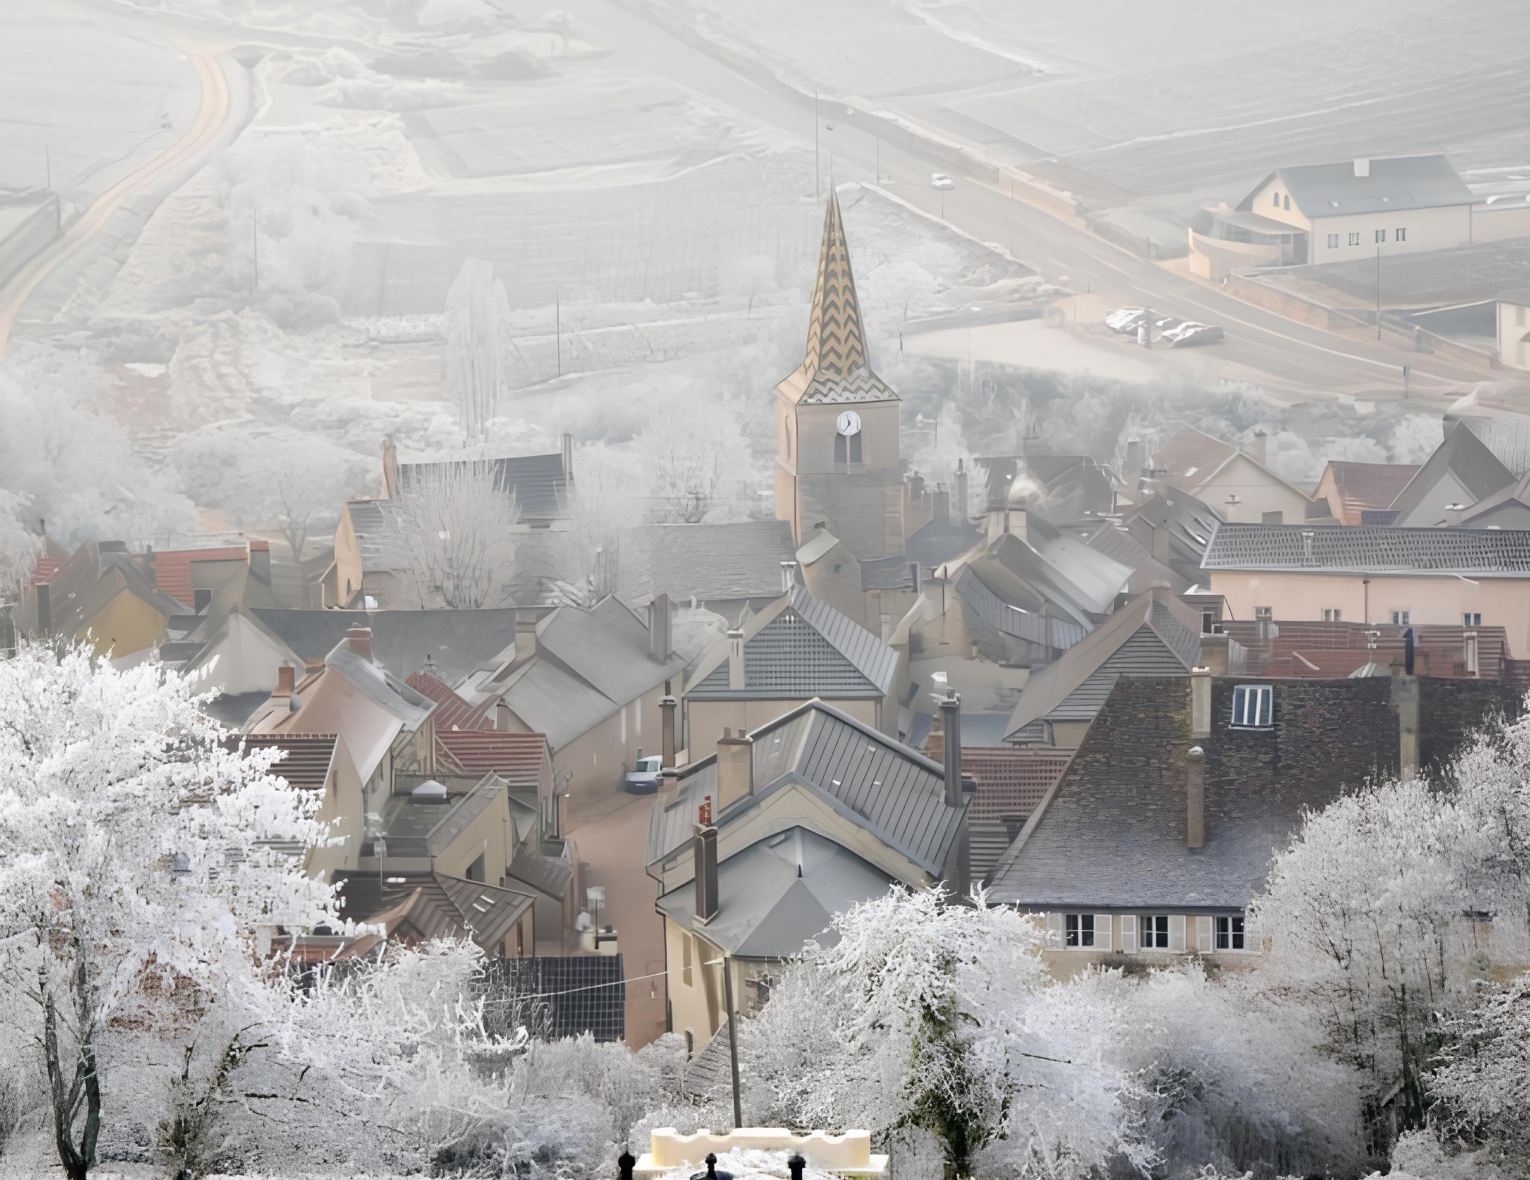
[941, 180]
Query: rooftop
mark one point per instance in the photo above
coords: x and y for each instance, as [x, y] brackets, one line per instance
[1372, 549]
[307, 756]
[1396, 183]
[172, 568]
[707, 562]
[538, 482]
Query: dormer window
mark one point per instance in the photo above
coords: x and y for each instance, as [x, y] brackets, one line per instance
[1253, 706]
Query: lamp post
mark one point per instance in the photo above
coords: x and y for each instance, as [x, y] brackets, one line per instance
[727, 973]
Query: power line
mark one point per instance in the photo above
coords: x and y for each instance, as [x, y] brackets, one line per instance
[572, 990]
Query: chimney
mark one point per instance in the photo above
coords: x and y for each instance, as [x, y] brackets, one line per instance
[525, 635]
[286, 678]
[260, 561]
[568, 457]
[660, 646]
[669, 785]
[667, 707]
[1261, 450]
[961, 491]
[1214, 655]
[735, 659]
[1200, 703]
[951, 743]
[359, 640]
[788, 576]
[1405, 701]
[1134, 459]
[1362, 168]
[1195, 798]
[44, 609]
[735, 768]
[390, 469]
[705, 845]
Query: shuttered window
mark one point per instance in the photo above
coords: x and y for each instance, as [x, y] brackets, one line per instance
[1154, 931]
[1078, 930]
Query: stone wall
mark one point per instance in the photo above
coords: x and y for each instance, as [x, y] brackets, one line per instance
[1450, 711]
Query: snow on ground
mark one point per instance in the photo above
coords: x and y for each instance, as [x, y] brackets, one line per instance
[118, 96]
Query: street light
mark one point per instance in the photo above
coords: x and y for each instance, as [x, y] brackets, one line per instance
[738, 1106]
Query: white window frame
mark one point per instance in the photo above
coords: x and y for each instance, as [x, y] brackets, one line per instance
[1381, 236]
[1471, 656]
[1078, 932]
[1333, 614]
[1333, 241]
[1402, 618]
[1264, 614]
[1150, 928]
[1231, 929]
[1262, 714]
[1471, 618]
[1354, 238]
[1401, 234]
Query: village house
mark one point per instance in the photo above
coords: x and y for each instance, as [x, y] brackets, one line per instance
[874, 593]
[757, 846]
[1513, 323]
[795, 650]
[1163, 826]
[1462, 472]
[1405, 576]
[1363, 493]
[1239, 485]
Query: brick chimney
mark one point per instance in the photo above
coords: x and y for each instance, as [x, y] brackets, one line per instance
[260, 561]
[1195, 797]
[705, 847]
[667, 707]
[525, 635]
[1261, 448]
[286, 678]
[735, 768]
[359, 640]
[735, 659]
[660, 645]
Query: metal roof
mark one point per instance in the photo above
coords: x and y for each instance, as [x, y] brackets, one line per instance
[894, 792]
[518, 758]
[307, 757]
[706, 562]
[455, 641]
[1397, 183]
[1370, 549]
[538, 482]
[426, 906]
[836, 367]
[1462, 457]
[1011, 617]
[609, 653]
[776, 894]
[800, 647]
[545, 874]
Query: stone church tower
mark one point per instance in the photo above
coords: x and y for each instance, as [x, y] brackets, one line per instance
[837, 458]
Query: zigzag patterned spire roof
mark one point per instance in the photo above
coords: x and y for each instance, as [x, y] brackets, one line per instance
[836, 367]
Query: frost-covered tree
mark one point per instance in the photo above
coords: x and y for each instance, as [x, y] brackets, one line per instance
[1482, 1085]
[139, 862]
[477, 330]
[457, 525]
[938, 1016]
[605, 500]
[287, 479]
[19, 545]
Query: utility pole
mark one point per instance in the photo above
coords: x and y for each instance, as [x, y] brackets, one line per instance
[1378, 292]
[815, 144]
[558, 329]
[727, 973]
[255, 251]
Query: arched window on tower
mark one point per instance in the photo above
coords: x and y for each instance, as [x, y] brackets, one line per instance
[841, 449]
[788, 442]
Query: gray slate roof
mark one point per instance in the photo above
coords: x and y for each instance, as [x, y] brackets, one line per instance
[538, 481]
[1154, 634]
[1462, 456]
[778, 893]
[808, 649]
[414, 827]
[1374, 549]
[703, 561]
[894, 792]
[457, 641]
[1396, 184]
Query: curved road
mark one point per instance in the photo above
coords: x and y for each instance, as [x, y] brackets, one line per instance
[79, 238]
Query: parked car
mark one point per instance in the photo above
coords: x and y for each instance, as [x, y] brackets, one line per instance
[1126, 319]
[941, 180]
[1190, 333]
[644, 778]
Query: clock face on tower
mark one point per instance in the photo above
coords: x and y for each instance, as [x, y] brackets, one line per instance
[848, 423]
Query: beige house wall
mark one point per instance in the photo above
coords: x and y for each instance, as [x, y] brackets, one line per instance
[705, 720]
[1427, 229]
[1438, 599]
[595, 761]
[348, 567]
[1109, 947]
[1258, 492]
[696, 992]
[344, 811]
[125, 625]
[489, 835]
[1514, 334]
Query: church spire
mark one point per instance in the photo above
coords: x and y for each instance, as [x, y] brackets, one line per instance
[836, 337]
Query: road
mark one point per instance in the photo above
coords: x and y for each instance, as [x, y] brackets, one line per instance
[79, 239]
[1279, 353]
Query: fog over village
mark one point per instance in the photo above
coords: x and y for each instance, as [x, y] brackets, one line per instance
[658, 589]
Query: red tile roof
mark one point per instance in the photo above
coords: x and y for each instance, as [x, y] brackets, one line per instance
[1312, 649]
[1367, 486]
[45, 569]
[172, 568]
[1011, 782]
[452, 712]
[308, 755]
[517, 758]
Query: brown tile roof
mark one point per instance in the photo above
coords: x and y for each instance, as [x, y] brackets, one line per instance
[452, 712]
[1368, 486]
[515, 757]
[308, 758]
[1011, 782]
[1318, 650]
[1191, 455]
[172, 568]
[45, 569]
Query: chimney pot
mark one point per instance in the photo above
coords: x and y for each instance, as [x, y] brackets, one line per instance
[958, 865]
[660, 643]
[359, 640]
[735, 659]
[286, 677]
[568, 457]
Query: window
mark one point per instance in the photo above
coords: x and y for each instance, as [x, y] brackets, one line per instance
[847, 450]
[1275, 200]
[1471, 653]
[1471, 619]
[1333, 241]
[1154, 932]
[1208, 620]
[1402, 618]
[1285, 202]
[1401, 233]
[1263, 613]
[1253, 706]
[1381, 235]
[685, 968]
[1078, 930]
[1332, 614]
[1354, 238]
[475, 870]
[855, 447]
[1229, 934]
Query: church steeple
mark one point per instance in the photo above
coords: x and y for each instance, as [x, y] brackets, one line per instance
[836, 367]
